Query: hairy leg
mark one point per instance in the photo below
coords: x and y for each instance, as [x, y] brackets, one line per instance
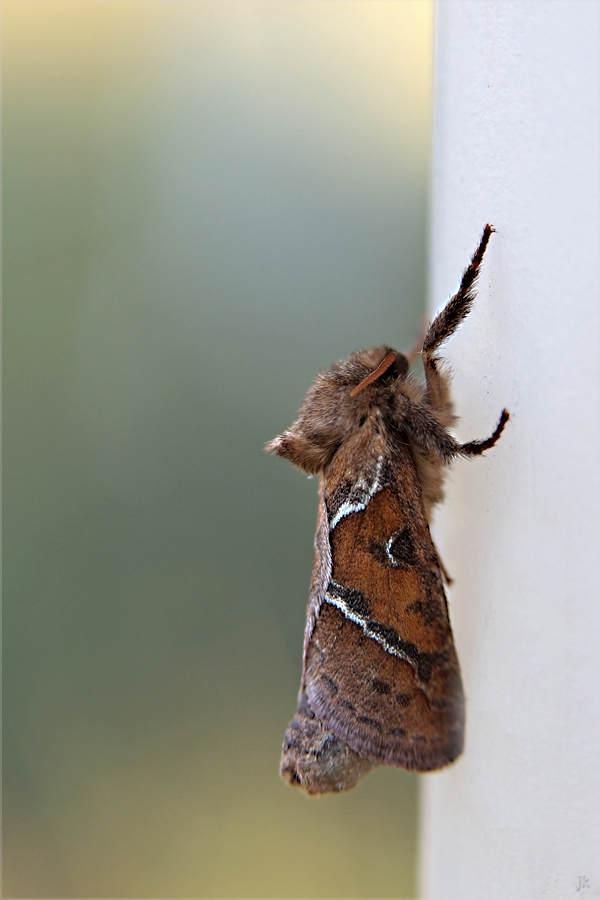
[422, 426]
[445, 324]
[475, 448]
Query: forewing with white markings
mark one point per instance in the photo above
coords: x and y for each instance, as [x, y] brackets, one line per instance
[395, 694]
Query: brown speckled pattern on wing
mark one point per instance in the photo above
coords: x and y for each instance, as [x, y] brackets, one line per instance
[394, 694]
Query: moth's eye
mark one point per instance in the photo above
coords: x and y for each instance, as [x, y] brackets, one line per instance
[362, 421]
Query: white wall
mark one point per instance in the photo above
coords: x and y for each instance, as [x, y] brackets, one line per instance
[516, 144]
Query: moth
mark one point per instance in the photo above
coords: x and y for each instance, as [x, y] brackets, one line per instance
[381, 681]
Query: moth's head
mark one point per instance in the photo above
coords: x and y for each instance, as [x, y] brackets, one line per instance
[353, 394]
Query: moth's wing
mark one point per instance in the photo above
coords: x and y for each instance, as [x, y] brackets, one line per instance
[312, 758]
[381, 671]
[321, 571]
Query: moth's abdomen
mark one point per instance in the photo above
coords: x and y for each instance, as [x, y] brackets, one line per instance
[315, 760]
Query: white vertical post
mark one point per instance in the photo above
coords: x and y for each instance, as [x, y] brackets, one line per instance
[516, 145]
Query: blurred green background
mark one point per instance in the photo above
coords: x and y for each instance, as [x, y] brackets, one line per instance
[204, 204]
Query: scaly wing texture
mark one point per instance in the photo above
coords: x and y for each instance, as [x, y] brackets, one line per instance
[321, 571]
[312, 757]
[394, 695]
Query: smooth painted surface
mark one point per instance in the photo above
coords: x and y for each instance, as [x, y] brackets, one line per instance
[516, 144]
[205, 204]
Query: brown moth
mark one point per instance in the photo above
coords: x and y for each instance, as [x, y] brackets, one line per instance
[381, 681]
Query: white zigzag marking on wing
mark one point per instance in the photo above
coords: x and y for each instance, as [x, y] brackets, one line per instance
[366, 626]
[364, 491]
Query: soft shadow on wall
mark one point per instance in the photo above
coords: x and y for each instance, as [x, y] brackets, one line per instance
[204, 205]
